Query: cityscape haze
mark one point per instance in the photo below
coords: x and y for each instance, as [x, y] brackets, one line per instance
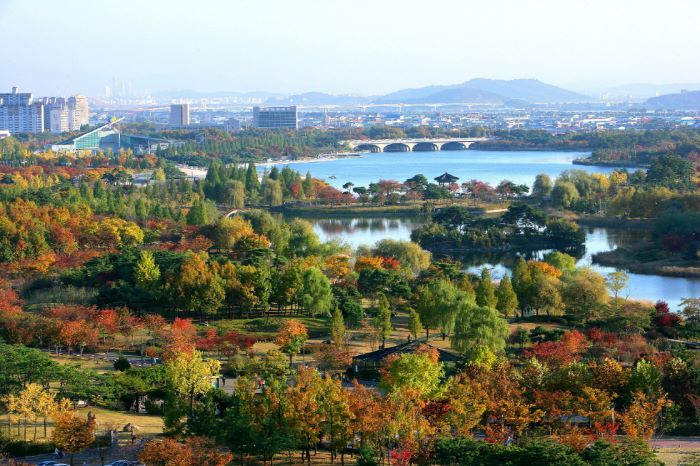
[366, 48]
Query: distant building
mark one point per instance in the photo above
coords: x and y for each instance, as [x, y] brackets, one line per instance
[20, 114]
[232, 124]
[61, 115]
[275, 117]
[179, 115]
[4, 134]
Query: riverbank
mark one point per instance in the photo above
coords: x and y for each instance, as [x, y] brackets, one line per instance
[622, 258]
[609, 164]
[614, 222]
[319, 158]
[408, 210]
[350, 210]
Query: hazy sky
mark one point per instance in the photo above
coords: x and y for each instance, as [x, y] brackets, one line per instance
[351, 46]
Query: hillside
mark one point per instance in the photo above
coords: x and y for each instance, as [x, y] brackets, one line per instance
[689, 99]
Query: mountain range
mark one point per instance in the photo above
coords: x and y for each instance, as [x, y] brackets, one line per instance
[514, 92]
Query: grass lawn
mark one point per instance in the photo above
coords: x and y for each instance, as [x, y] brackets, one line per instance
[106, 419]
[85, 362]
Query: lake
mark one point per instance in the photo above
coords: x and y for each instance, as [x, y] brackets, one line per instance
[367, 231]
[520, 167]
[491, 166]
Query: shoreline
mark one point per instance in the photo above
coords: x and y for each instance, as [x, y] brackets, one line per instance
[618, 258]
[320, 158]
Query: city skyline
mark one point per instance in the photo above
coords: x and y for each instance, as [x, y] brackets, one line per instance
[294, 48]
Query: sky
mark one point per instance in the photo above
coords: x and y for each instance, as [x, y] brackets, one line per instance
[365, 47]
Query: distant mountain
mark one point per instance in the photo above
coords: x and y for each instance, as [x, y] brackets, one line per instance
[318, 98]
[482, 90]
[461, 95]
[531, 90]
[406, 95]
[640, 91]
[685, 100]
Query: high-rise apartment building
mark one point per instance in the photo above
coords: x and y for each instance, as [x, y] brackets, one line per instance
[62, 115]
[20, 114]
[179, 114]
[275, 117]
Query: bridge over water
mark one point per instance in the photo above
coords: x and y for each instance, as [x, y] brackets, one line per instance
[415, 145]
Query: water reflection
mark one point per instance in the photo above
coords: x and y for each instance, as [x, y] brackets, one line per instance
[368, 230]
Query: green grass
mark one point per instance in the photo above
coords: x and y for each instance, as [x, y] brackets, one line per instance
[266, 327]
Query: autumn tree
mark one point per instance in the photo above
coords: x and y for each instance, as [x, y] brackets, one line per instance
[291, 337]
[72, 434]
[190, 375]
[639, 420]
[196, 286]
[146, 272]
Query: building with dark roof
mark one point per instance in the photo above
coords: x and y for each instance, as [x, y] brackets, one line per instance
[446, 178]
[373, 360]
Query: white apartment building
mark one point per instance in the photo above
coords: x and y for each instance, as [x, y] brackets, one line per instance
[20, 114]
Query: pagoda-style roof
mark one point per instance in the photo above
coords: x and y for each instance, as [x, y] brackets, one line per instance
[446, 178]
[405, 348]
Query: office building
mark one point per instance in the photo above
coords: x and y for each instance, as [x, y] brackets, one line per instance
[20, 114]
[179, 115]
[275, 117]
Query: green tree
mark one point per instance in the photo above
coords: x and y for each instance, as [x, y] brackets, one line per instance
[233, 194]
[316, 294]
[507, 299]
[417, 372]
[338, 327]
[585, 294]
[272, 192]
[542, 187]
[616, 282]
[252, 183]
[561, 261]
[409, 254]
[197, 215]
[146, 272]
[485, 292]
[479, 329]
[382, 321]
[522, 282]
[521, 336]
[564, 194]
[415, 327]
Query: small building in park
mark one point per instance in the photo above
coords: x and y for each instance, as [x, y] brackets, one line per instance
[373, 360]
[446, 178]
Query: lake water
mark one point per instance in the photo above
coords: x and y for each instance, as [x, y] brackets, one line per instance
[369, 230]
[520, 167]
[489, 166]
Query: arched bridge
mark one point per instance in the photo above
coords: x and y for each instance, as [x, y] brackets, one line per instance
[409, 145]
